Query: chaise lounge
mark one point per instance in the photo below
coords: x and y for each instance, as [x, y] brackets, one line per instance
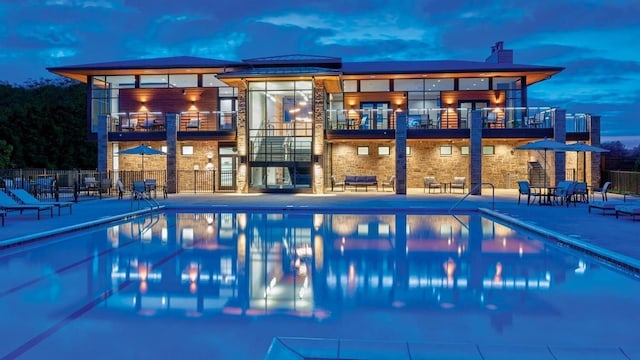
[7, 203]
[631, 210]
[27, 199]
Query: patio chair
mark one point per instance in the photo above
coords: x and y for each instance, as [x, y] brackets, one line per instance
[581, 192]
[525, 189]
[459, 182]
[602, 191]
[27, 199]
[561, 191]
[194, 123]
[334, 183]
[391, 183]
[120, 188]
[7, 203]
[431, 183]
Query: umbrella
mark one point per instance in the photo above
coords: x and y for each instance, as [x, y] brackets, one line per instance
[544, 144]
[141, 150]
[579, 147]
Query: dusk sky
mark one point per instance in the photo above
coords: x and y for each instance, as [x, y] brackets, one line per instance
[595, 40]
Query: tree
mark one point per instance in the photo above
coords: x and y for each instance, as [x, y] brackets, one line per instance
[46, 125]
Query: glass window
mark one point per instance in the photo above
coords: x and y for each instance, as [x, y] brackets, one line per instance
[122, 82]
[363, 150]
[488, 150]
[350, 86]
[473, 84]
[446, 150]
[260, 85]
[227, 91]
[154, 81]
[210, 80]
[464, 150]
[374, 85]
[187, 150]
[183, 80]
[383, 150]
[408, 150]
[408, 85]
[506, 83]
[438, 84]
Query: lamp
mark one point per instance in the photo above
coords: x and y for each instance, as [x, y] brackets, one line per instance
[184, 91]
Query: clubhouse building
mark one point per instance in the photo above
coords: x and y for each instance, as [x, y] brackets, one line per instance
[302, 123]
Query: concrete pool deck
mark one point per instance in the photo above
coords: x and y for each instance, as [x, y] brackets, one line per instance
[603, 235]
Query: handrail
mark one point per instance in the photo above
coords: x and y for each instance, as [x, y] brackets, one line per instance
[493, 195]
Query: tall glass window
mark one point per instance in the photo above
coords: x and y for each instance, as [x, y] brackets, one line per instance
[280, 134]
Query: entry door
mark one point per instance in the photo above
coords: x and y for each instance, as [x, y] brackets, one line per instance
[466, 107]
[375, 115]
[228, 170]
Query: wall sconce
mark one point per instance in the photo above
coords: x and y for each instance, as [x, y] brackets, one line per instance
[184, 91]
[399, 108]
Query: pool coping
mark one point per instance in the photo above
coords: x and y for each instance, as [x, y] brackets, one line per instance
[68, 229]
[612, 257]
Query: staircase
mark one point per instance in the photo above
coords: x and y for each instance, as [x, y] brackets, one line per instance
[536, 174]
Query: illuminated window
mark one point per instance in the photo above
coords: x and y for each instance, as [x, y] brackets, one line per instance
[488, 150]
[383, 150]
[446, 150]
[363, 150]
[464, 150]
[187, 150]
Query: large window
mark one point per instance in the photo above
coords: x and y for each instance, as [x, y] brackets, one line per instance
[280, 134]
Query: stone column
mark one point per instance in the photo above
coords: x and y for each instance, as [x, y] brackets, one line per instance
[171, 124]
[241, 131]
[475, 153]
[596, 158]
[319, 111]
[103, 140]
[401, 152]
[559, 135]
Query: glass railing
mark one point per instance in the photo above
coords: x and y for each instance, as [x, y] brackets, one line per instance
[187, 121]
[452, 118]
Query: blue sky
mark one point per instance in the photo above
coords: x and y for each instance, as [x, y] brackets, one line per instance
[596, 41]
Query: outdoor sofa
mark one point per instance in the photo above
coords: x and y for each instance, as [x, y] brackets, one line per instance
[361, 181]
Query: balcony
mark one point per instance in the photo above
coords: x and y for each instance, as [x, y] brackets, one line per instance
[188, 121]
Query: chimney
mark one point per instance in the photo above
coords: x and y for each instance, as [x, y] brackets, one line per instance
[499, 55]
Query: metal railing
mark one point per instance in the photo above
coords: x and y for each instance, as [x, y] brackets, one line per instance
[623, 182]
[474, 189]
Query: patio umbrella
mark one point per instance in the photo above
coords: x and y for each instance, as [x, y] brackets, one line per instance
[141, 150]
[581, 147]
[546, 145]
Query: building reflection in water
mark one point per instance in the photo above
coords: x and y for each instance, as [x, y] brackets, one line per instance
[312, 265]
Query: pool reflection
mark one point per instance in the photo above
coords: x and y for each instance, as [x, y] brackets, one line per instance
[314, 265]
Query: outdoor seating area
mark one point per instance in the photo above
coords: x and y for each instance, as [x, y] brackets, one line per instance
[27, 199]
[8, 204]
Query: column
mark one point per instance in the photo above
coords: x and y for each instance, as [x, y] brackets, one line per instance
[241, 131]
[401, 152]
[475, 153]
[103, 139]
[559, 135]
[596, 158]
[319, 112]
[171, 125]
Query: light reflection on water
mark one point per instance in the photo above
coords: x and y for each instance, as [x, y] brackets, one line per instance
[316, 265]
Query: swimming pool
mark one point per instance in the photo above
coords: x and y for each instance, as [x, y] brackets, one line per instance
[224, 284]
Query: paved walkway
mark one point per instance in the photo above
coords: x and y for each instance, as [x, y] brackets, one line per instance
[602, 234]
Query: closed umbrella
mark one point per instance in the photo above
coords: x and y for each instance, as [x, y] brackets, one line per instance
[141, 150]
[546, 145]
[581, 147]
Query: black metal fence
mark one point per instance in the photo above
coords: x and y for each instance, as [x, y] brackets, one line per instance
[77, 185]
[623, 182]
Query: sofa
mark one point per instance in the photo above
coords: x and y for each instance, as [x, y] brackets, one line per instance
[361, 181]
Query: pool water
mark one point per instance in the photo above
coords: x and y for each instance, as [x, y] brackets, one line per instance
[223, 285]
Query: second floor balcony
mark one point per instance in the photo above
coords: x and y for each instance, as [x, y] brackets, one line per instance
[187, 121]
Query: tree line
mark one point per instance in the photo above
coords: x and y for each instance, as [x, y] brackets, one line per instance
[44, 126]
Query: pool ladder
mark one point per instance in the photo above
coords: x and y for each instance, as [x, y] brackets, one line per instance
[477, 187]
[146, 197]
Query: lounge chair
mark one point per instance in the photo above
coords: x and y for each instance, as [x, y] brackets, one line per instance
[28, 199]
[335, 184]
[2, 215]
[459, 182]
[7, 203]
[602, 191]
[631, 210]
[431, 183]
[525, 189]
[605, 206]
[391, 183]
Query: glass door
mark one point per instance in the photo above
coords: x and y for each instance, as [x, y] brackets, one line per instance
[465, 108]
[375, 115]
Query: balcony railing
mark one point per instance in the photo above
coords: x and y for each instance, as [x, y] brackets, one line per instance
[187, 121]
[453, 118]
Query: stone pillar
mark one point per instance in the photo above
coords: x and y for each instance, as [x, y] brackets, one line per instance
[103, 140]
[559, 135]
[242, 132]
[475, 153]
[401, 152]
[319, 112]
[596, 158]
[171, 124]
